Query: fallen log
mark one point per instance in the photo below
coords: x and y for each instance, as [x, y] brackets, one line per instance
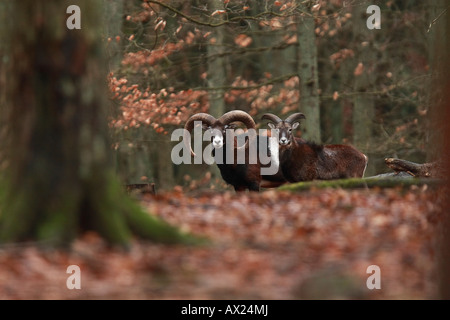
[424, 170]
[141, 188]
[392, 175]
[355, 183]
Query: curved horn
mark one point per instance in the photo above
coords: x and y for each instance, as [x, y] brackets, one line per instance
[295, 116]
[242, 116]
[203, 117]
[271, 117]
[238, 115]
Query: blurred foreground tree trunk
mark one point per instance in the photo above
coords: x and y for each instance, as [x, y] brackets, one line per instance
[58, 178]
[437, 37]
[438, 29]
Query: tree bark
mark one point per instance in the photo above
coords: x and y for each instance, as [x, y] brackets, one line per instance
[113, 14]
[216, 66]
[164, 173]
[59, 178]
[440, 117]
[363, 104]
[216, 74]
[308, 73]
[437, 56]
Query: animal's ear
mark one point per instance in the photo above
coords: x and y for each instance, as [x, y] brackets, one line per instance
[231, 126]
[295, 125]
[271, 125]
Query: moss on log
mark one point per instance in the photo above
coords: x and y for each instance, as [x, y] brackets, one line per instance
[355, 183]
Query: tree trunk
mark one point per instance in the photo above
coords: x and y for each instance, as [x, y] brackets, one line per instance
[331, 118]
[440, 117]
[164, 166]
[363, 104]
[216, 74]
[59, 178]
[308, 73]
[216, 67]
[113, 14]
[437, 36]
[336, 112]
[133, 155]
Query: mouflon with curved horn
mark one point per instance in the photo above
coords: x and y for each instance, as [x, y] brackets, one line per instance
[304, 161]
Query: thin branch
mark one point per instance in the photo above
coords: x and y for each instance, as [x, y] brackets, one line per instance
[436, 19]
[256, 86]
[392, 87]
[218, 24]
[250, 50]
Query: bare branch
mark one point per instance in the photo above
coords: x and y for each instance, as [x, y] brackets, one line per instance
[436, 19]
[256, 86]
[223, 22]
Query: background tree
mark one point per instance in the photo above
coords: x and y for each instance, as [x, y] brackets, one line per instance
[364, 64]
[57, 177]
[308, 72]
[216, 74]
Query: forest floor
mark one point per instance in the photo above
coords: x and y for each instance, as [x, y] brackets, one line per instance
[316, 244]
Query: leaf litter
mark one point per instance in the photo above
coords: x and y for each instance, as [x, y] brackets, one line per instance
[268, 245]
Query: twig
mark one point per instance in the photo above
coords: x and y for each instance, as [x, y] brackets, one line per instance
[436, 19]
[218, 24]
[256, 86]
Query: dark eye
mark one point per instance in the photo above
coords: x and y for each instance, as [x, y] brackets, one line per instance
[290, 130]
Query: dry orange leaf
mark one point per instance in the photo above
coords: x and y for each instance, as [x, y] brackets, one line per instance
[359, 69]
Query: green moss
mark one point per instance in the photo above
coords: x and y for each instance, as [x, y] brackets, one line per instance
[59, 223]
[358, 183]
[150, 227]
[14, 217]
[118, 216]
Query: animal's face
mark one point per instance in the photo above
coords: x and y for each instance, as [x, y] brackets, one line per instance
[218, 134]
[284, 131]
